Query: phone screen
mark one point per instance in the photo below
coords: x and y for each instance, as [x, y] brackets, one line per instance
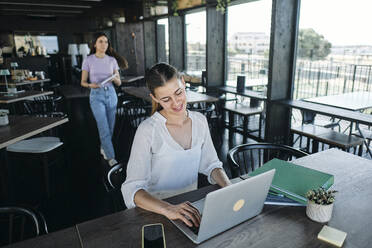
[153, 236]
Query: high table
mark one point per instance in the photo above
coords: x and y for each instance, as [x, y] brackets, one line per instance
[130, 79]
[20, 128]
[247, 93]
[28, 82]
[276, 226]
[192, 97]
[356, 101]
[29, 94]
[344, 114]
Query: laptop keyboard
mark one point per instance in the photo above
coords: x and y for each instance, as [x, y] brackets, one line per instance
[194, 229]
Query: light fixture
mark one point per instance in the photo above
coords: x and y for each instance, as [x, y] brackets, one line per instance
[73, 51]
[84, 50]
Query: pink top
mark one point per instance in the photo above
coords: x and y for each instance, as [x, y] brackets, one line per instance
[100, 69]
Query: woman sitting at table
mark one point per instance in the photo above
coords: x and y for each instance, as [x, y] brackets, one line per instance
[169, 149]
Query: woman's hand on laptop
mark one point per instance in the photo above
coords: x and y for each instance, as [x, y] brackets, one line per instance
[185, 212]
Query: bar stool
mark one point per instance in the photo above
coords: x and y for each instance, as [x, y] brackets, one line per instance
[40, 147]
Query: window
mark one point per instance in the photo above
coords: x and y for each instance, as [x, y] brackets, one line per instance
[196, 42]
[163, 40]
[337, 59]
[248, 42]
[25, 42]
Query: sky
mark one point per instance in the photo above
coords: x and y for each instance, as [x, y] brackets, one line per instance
[342, 22]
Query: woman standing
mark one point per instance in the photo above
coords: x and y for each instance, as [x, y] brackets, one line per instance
[169, 150]
[102, 63]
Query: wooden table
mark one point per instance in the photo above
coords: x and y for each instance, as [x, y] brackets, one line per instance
[348, 115]
[248, 93]
[356, 101]
[130, 79]
[28, 82]
[68, 237]
[192, 97]
[23, 127]
[276, 226]
[23, 96]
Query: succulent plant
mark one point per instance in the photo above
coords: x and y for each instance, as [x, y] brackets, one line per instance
[321, 196]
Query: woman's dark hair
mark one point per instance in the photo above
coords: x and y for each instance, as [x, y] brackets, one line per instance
[122, 62]
[156, 77]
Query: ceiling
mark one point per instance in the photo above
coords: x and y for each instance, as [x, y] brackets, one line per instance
[70, 8]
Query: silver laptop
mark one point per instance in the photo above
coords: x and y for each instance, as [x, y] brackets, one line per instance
[237, 203]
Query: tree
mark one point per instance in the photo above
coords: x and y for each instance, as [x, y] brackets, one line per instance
[312, 45]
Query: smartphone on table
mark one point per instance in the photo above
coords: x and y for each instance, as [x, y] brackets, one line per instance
[153, 236]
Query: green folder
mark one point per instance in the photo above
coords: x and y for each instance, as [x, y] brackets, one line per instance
[294, 180]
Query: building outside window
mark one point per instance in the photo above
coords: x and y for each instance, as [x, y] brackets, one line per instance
[248, 43]
[163, 40]
[334, 52]
[196, 42]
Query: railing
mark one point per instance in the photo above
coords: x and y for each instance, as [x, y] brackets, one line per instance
[312, 78]
[322, 78]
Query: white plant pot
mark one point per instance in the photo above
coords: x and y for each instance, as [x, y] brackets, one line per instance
[4, 120]
[319, 213]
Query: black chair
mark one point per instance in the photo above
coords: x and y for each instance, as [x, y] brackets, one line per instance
[245, 158]
[309, 118]
[115, 178]
[19, 223]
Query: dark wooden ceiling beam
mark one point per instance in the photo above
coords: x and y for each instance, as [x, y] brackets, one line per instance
[43, 8]
[51, 3]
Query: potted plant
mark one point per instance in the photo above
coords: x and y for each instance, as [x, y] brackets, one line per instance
[320, 204]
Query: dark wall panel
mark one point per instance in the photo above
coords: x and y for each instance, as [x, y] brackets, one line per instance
[216, 47]
[176, 42]
[284, 29]
[130, 42]
[149, 28]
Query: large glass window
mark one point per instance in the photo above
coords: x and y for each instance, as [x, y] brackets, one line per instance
[26, 42]
[334, 48]
[163, 40]
[196, 42]
[248, 42]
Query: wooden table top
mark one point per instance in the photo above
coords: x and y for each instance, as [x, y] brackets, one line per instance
[248, 93]
[73, 91]
[276, 226]
[129, 79]
[355, 101]
[68, 237]
[28, 82]
[192, 97]
[329, 111]
[21, 127]
[29, 94]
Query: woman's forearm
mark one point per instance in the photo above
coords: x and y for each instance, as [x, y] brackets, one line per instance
[146, 201]
[84, 84]
[219, 175]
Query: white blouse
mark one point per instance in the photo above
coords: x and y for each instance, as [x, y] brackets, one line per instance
[159, 165]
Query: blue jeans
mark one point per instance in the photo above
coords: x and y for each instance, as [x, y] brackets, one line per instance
[103, 103]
